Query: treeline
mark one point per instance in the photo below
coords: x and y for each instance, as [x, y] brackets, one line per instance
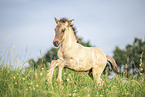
[132, 58]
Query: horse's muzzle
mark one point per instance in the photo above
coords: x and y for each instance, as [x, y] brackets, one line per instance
[56, 43]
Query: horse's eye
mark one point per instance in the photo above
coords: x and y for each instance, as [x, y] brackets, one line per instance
[63, 30]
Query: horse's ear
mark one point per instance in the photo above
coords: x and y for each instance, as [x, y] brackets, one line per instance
[56, 20]
[70, 22]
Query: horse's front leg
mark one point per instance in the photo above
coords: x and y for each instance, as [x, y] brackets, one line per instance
[54, 63]
[61, 66]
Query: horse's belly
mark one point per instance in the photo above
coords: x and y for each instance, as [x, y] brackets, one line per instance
[79, 66]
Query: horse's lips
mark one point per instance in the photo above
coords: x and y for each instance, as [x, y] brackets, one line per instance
[56, 45]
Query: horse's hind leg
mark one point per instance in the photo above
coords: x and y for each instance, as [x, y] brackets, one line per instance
[54, 63]
[97, 73]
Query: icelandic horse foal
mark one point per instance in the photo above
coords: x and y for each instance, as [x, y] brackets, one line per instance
[75, 56]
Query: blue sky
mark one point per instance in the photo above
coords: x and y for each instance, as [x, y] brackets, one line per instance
[28, 25]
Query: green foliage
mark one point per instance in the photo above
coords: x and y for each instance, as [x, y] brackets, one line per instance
[51, 54]
[33, 83]
[120, 56]
[44, 61]
[133, 56]
[86, 44]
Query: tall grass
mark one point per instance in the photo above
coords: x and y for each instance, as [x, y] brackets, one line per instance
[14, 83]
[27, 82]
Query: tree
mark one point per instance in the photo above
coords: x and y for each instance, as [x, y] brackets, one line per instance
[120, 56]
[132, 56]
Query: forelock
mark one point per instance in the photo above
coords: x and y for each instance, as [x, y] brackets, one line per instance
[63, 20]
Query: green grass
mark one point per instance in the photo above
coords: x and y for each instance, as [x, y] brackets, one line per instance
[27, 82]
[33, 83]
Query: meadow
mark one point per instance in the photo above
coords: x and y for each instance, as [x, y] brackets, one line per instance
[29, 82]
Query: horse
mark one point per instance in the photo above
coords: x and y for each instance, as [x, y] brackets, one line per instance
[76, 57]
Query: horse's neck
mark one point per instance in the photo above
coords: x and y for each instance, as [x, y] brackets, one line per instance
[69, 39]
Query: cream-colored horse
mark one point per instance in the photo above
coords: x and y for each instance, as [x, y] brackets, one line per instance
[75, 56]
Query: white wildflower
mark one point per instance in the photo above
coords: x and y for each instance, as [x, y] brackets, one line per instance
[74, 94]
[15, 83]
[31, 82]
[23, 78]
[68, 79]
[41, 74]
[37, 86]
[42, 69]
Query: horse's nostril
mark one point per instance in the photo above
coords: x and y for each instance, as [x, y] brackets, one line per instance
[55, 43]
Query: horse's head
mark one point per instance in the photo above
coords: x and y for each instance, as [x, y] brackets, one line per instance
[60, 29]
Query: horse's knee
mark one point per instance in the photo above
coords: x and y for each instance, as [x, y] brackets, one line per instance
[54, 63]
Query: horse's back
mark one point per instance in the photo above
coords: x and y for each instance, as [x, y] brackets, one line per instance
[93, 52]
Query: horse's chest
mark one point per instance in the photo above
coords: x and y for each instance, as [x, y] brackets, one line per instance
[68, 55]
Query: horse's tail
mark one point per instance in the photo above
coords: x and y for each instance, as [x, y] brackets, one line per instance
[113, 64]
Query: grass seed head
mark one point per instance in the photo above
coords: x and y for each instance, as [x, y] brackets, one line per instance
[141, 74]
[74, 94]
[47, 74]
[68, 79]
[15, 83]
[41, 74]
[31, 82]
[36, 75]
[37, 86]
[23, 78]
